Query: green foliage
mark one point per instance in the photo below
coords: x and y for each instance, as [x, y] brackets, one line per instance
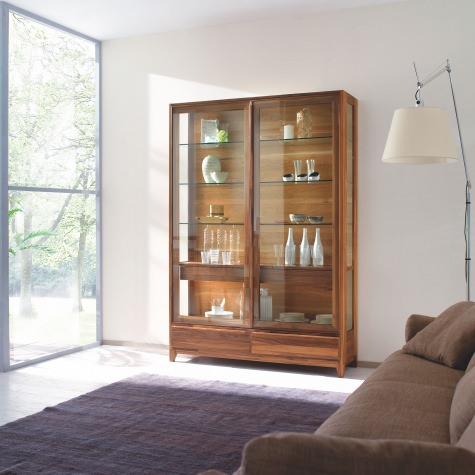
[21, 242]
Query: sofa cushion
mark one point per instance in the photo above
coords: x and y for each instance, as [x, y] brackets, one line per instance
[462, 409]
[393, 410]
[407, 368]
[449, 339]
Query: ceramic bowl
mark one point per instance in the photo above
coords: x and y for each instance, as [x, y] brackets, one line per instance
[288, 177]
[315, 176]
[315, 219]
[219, 177]
[298, 218]
[302, 177]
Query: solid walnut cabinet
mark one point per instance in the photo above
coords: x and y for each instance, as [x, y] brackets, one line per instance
[234, 184]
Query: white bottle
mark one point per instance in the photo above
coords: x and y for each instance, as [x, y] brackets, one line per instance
[290, 249]
[317, 252]
[304, 249]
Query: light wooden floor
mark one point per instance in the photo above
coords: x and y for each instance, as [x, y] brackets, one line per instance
[28, 390]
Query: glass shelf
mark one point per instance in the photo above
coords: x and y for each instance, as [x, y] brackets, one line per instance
[227, 183]
[210, 145]
[296, 141]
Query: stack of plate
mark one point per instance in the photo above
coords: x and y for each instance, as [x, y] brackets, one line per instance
[323, 319]
[291, 317]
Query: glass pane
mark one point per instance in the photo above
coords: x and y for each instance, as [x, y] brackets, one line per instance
[52, 107]
[209, 199]
[52, 244]
[294, 205]
[52, 144]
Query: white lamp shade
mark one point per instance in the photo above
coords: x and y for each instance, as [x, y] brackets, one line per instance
[420, 135]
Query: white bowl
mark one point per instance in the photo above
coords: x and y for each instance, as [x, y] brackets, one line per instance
[219, 177]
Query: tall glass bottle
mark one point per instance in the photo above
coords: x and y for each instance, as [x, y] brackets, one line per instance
[317, 251]
[290, 249]
[304, 249]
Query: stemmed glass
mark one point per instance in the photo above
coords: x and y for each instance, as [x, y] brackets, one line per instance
[279, 253]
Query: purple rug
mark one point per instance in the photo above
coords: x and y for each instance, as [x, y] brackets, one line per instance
[152, 424]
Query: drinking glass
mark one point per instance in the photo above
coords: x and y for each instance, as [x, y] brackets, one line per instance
[279, 253]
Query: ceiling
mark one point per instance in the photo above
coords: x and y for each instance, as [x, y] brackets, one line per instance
[110, 19]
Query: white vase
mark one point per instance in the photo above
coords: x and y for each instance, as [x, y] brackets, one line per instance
[304, 249]
[317, 251]
[290, 249]
[210, 164]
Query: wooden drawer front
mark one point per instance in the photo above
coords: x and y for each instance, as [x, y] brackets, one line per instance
[210, 340]
[288, 345]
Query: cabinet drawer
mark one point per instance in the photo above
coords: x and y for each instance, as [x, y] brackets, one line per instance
[210, 340]
[290, 345]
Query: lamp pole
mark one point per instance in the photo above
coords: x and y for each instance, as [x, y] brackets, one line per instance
[468, 183]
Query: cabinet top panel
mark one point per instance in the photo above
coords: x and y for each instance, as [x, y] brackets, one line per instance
[240, 102]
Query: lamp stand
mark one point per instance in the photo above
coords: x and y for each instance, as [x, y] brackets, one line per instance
[468, 183]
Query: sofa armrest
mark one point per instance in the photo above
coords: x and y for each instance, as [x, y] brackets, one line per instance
[311, 454]
[415, 323]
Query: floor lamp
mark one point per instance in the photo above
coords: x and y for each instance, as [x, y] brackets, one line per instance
[422, 135]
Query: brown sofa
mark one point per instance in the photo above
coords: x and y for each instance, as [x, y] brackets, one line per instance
[414, 415]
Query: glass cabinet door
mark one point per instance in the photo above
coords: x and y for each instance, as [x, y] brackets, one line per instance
[209, 201]
[295, 199]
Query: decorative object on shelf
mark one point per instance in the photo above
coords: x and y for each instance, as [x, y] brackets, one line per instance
[223, 134]
[265, 305]
[317, 250]
[288, 177]
[222, 239]
[234, 244]
[207, 237]
[217, 309]
[315, 219]
[304, 249]
[210, 164]
[205, 257]
[212, 219]
[290, 249]
[216, 210]
[304, 123]
[301, 177]
[278, 253]
[209, 131]
[226, 257]
[214, 256]
[310, 166]
[219, 177]
[315, 176]
[423, 135]
[297, 167]
[288, 132]
[298, 218]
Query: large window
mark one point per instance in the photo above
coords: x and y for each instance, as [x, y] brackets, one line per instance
[50, 190]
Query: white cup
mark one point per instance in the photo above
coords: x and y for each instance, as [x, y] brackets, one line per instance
[288, 132]
[216, 309]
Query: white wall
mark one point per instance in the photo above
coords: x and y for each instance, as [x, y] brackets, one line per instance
[411, 247]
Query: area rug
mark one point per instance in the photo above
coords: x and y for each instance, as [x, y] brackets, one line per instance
[154, 424]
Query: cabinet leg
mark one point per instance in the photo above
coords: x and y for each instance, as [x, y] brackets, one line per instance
[172, 355]
[340, 370]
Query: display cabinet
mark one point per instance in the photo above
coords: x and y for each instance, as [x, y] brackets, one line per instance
[263, 229]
